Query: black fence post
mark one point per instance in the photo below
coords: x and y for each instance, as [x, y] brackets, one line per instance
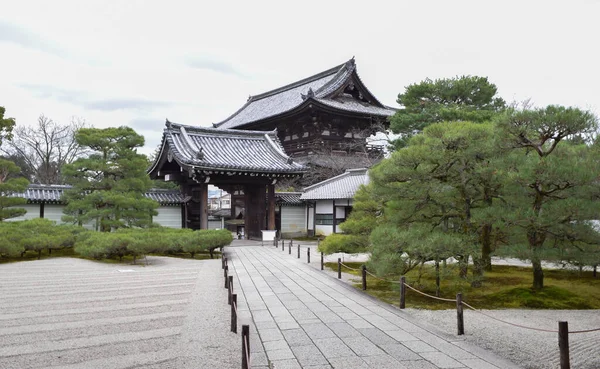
[322, 261]
[225, 273]
[364, 277]
[245, 346]
[234, 313]
[459, 314]
[298, 251]
[563, 345]
[290, 249]
[308, 255]
[229, 289]
[402, 292]
[339, 268]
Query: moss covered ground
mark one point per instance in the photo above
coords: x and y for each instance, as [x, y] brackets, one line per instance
[503, 287]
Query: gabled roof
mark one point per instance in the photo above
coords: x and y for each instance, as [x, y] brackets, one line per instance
[343, 186]
[323, 89]
[52, 194]
[224, 150]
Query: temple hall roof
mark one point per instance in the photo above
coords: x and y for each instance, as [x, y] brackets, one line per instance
[224, 150]
[52, 194]
[343, 186]
[325, 89]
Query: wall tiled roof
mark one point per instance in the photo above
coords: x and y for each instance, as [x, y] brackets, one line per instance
[288, 198]
[229, 150]
[343, 186]
[317, 88]
[51, 194]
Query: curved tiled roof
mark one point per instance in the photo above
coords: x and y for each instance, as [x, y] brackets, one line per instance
[343, 186]
[319, 88]
[225, 149]
[52, 194]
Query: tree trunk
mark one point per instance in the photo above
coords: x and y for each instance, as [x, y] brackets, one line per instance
[486, 247]
[49, 251]
[210, 251]
[39, 254]
[193, 253]
[463, 266]
[437, 278]
[594, 272]
[478, 267]
[580, 271]
[134, 260]
[538, 274]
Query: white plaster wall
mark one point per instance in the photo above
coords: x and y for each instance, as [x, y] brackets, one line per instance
[33, 211]
[293, 219]
[169, 216]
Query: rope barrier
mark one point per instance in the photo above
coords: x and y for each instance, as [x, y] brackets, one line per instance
[346, 266]
[381, 279]
[513, 324]
[428, 295]
[586, 331]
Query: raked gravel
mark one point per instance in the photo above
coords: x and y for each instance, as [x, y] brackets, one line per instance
[72, 313]
[527, 348]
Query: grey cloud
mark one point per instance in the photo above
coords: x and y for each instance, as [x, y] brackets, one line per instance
[124, 104]
[211, 64]
[147, 124]
[79, 98]
[23, 37]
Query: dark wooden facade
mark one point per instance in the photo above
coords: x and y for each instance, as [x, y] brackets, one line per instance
[330, 113]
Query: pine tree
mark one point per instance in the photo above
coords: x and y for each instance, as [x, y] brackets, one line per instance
[109, 185]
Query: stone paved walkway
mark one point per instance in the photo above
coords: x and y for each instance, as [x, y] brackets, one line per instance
[301, 317]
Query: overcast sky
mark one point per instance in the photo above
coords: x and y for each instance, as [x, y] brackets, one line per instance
[136, 63]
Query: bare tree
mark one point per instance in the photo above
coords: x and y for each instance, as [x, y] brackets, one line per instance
[45, 148]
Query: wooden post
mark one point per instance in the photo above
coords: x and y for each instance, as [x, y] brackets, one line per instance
[563, 345]
[222, 261]
[308, 255]
[298, 250]
[459, 314]
[322, 261]
[203, 206]
[234, 313]
[283, 247]
[245, 346]
[229, 289]
[271, 204]
[290, 250]
[364, 277]
[402, 292]
[225, 273]
[339, 268]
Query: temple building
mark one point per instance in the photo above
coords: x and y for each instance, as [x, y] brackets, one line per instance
[331, 113]
[246, 164]
[277, 136]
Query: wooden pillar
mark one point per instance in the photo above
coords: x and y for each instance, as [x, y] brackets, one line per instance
[333, 216]
[203, 206]
[271, 212]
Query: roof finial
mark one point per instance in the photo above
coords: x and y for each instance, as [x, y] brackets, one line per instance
[350, 63]
[167, 123]
[310, 93]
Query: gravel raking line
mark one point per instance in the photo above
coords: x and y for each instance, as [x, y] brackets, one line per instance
[73, 313]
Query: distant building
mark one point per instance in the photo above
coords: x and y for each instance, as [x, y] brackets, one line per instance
[330, 202]
[45, 201]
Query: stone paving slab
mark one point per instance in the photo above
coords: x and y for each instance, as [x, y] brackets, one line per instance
[301, 317]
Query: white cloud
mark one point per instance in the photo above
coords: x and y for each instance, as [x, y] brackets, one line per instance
[115, 62]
